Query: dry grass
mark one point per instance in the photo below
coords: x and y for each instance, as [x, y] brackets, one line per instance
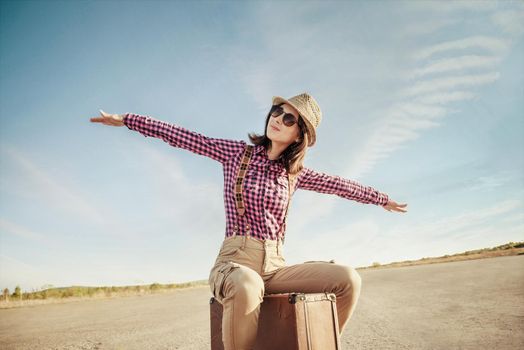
[456, 257]
[67, 295]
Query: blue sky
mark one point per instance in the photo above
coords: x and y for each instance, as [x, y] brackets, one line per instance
[421, 100]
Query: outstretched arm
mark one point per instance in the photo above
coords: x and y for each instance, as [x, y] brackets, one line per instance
[312, 180]
[215, 148]
[177, 136]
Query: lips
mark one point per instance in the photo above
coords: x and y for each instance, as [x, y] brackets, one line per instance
[275, 128]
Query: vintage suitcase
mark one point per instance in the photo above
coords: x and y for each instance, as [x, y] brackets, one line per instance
[289, 321]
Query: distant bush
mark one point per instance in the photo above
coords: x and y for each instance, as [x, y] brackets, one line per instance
[79, 291]
[18, 293]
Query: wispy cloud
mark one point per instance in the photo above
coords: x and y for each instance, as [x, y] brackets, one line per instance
[453, 6]
[35, 182]
[186, 204]
[431, 25]
[511, 21]
[497, 46]
[447, 83]
[7, 226]
[516, 218]
[191, 194]
[477, 184]
[425, 99]
[55, 192]
[453, 226]
[444, 97]
[456, 64]
[491, 181]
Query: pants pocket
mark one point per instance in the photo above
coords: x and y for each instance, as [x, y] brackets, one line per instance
[273, 263]
[229, 250]
[218, 277]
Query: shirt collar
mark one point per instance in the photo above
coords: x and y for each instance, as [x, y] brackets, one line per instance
[258, 149]
[274, 164]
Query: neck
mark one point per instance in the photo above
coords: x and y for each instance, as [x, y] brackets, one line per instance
[275, 150]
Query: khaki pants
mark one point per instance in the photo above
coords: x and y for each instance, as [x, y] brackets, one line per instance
[246, 268]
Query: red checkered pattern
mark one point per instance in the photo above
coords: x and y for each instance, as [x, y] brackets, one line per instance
[265, 184]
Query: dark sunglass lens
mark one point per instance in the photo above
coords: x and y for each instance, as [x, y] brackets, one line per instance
[276, 111]
[289, 119]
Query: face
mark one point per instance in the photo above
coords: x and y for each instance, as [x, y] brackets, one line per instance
[285, 134]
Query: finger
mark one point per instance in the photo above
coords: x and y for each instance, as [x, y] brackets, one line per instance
[99, 119]
[105, 114]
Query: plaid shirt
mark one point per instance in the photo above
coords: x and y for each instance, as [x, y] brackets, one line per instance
[265, 184]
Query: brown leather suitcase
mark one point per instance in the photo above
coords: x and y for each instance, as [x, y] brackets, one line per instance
[289, 321]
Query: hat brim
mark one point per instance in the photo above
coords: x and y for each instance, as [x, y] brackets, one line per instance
[311, 129]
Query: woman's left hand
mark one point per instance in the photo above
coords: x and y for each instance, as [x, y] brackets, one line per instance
[392, 205]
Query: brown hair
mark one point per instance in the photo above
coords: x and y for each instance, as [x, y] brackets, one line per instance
[293, 155]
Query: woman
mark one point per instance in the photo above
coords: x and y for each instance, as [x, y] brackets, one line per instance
[250, 262]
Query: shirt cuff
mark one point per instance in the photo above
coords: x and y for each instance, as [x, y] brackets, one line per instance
[125, 119]
[383, 199]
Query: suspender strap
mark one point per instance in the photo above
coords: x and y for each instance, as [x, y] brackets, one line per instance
[291, 180]
[239, 196]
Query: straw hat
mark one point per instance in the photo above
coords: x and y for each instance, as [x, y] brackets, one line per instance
[308, 109]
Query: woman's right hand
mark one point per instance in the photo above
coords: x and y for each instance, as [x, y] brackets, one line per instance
[109, 119]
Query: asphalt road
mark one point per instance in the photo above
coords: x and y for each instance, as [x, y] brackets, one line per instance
[475, 304]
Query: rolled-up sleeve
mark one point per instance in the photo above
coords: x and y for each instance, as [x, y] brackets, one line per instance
[215, 148]
[311, 180]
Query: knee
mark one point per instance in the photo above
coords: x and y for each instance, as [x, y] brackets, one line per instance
[350, 279]
[249, 285]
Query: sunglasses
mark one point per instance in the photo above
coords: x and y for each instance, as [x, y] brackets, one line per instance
[288, 119]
